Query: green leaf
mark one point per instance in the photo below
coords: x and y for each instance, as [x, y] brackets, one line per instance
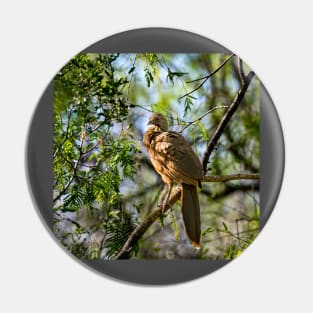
[171, 75]
[188, 104]
[204, 133]
[149, 77]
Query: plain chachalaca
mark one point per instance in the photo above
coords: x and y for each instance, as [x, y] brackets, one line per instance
[174, 159]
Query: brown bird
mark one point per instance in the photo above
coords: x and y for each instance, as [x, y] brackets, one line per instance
[174, 159]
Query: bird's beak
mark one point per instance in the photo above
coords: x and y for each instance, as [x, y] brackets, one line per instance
[150, 124]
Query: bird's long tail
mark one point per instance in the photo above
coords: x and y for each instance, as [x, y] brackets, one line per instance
[191, 213]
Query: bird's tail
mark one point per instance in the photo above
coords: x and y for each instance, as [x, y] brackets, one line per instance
[191, 213]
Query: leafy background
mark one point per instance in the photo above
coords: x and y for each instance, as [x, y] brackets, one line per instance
[104, 184]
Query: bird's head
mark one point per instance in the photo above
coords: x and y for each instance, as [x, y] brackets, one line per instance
[159, 120]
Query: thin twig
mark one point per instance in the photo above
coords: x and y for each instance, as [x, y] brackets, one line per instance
[133, 105]
[230, 235]
[67, 219]
[240, 71]
[131, 77]
[203, 115]
[90, 149]
[205, 78]
[96, 127]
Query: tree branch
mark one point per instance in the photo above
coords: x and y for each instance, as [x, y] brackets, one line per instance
[226, 118]
[133, 105]
[205, 78]
[203, 115]
[62, 218]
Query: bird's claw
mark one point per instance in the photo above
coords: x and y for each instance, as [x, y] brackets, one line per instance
[161, 206]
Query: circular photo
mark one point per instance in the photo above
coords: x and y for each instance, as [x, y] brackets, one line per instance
[156, 156]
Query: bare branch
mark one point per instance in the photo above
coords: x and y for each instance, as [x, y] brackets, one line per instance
[205, 78]
[203, 115]
[226, 118]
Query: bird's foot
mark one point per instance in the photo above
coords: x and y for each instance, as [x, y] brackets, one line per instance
[162, 206]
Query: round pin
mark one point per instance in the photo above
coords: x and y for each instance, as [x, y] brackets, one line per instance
[155, 156]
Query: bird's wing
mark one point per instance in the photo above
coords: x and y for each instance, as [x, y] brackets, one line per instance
[181, 161]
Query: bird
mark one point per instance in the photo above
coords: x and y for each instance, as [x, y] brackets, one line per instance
[175, 161]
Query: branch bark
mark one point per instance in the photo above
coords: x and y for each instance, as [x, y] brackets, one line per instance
[240, 70]
[224, 121]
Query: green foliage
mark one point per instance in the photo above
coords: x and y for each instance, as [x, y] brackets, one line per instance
[90, 161]
[171, 75]
[188, 104]
[151, 59]
[149, 77]
[118, 231]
